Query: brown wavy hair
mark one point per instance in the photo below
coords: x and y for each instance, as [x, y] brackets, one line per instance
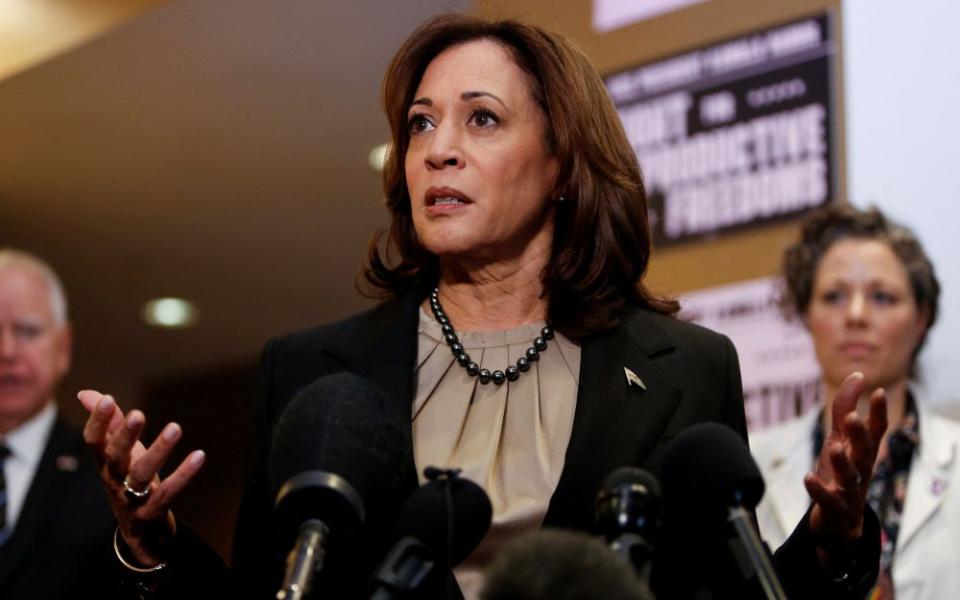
[835, 222]
[602, 238]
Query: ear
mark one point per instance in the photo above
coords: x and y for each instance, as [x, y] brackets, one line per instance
[923, 322]
[65, 348]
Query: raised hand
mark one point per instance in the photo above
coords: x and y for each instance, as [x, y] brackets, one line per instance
[843, 471]
[128, 469]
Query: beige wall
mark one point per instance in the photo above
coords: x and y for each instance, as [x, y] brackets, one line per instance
[732, 256]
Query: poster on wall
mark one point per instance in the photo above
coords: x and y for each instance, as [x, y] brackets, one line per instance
[611, 14]
[734, 134]
[781, 377]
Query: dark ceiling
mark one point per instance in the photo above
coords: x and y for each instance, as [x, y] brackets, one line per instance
[211, 150]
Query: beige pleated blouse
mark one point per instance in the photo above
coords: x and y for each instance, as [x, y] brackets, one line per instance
[510, 439]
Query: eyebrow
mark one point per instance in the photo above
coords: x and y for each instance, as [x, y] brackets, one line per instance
[422, 101]
[478, 94]
[425, 101]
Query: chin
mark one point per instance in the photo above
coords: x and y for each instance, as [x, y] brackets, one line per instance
[18, 410]
[449, 247]
[837, 375]
[871, 378]
[883, 380]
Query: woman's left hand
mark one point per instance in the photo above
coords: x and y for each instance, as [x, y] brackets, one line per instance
[842, 475]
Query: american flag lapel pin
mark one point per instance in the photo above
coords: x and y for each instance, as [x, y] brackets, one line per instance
[632, 379]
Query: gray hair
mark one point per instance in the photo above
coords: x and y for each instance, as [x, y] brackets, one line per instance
[58, 299]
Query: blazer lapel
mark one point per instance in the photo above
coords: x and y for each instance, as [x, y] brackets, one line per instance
[616, 422]
[784, 472]
[930, 478]
[382, 347]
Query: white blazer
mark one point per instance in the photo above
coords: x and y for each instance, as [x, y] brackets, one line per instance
[926, 564]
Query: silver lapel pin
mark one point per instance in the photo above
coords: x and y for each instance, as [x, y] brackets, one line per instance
[632, 379]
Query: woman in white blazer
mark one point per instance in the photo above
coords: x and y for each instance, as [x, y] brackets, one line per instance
[868, 293]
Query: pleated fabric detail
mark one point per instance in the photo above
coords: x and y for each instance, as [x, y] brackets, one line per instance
[510, 439]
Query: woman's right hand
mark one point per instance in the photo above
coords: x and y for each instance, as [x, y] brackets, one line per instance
[146, 523]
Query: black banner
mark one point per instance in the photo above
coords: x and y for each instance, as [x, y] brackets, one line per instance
[736, 133]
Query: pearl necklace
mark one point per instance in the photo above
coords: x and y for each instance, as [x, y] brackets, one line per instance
[511, 373]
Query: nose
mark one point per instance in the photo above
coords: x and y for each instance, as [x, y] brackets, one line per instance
[857, 310]
[444, 150]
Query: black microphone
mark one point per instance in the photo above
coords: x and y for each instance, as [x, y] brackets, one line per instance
[628, 514]
[338, 457]
[710, 483]
[439, 526]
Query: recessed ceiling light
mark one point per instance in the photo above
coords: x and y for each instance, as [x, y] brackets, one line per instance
[378, 156]
[170, 313]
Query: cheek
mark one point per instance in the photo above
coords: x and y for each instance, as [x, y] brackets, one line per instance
[824, 327]
[522, 188]
[826, 330]
[410, 174]
[907, 327]
[902, 336]
[47, 361]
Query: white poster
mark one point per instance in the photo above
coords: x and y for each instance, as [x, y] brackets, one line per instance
[611, 14]
[777, 363]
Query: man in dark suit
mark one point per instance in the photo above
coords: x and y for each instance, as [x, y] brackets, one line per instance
[55, 524]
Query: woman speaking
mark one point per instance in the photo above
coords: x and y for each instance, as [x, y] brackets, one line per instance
[515, 336]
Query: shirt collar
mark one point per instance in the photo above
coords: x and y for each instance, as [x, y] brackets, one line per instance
[27, 441]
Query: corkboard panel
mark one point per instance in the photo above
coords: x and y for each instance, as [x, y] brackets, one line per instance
[734, 257]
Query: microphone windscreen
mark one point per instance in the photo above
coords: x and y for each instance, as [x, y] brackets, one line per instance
[426, 518]
[628, 503]
[632, 476]
[343, 424]
[560, 565]
[706, 470]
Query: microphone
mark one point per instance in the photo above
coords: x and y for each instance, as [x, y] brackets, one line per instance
[339, 455]
[439, 526]
[628, 513]
[710, 483]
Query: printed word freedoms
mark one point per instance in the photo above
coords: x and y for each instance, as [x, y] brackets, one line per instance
[767, 166]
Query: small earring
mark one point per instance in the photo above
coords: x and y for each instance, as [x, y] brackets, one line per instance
[561, 199]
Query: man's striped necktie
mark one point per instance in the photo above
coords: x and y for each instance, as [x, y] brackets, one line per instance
[4, 532]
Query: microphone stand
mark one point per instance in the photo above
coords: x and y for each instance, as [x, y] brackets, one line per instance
[447, 476]
[756, 554]
[409, 563]
[305, 559]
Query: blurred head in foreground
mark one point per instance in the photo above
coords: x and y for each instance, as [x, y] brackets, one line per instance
[554, 564]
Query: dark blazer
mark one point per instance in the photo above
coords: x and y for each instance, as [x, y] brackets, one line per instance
[691, 376]
[63, 534]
